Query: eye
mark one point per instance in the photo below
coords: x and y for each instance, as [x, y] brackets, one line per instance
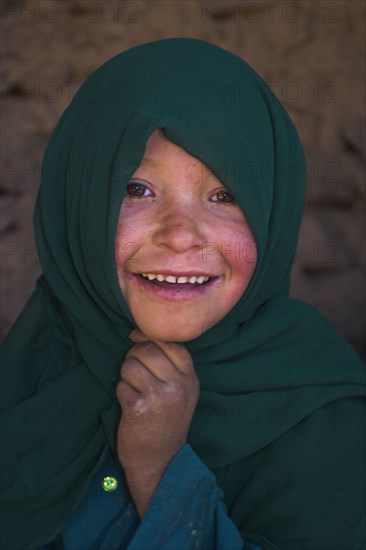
[136, 190]
[224, 197]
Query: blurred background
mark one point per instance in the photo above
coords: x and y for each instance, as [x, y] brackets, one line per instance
[311, 53]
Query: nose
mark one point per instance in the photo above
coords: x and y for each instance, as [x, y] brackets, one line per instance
[180, 230]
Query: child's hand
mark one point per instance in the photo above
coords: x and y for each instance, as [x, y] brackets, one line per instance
[158, 393]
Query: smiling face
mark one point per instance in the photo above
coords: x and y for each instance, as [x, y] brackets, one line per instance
[177, 219]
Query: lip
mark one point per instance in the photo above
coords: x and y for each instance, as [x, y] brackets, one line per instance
[173, 294]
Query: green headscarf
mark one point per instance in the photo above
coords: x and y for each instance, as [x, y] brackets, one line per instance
[280, 415]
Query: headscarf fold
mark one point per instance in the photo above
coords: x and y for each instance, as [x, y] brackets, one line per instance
[267, 367]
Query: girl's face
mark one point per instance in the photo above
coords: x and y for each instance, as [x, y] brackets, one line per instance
[177, 219]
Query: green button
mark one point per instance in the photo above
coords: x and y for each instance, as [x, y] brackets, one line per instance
[109, 484]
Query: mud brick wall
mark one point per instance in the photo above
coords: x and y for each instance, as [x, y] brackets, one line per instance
[311, 53]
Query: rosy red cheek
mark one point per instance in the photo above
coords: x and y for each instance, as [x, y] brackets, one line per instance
[238, 248]
[123, 247]
[249, 256]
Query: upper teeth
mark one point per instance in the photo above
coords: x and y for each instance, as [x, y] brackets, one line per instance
[172, 279]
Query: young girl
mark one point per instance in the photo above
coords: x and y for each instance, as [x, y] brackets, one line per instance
[160, 390]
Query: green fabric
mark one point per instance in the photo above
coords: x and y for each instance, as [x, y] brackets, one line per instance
[280, 419]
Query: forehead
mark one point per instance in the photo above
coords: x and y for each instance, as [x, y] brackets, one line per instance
[159, 148]
[163, 155]
[165, 164]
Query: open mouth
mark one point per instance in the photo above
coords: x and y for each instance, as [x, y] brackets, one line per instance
[176, 282]
[189, 286]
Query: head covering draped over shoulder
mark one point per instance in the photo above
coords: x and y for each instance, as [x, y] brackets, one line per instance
[265, 369]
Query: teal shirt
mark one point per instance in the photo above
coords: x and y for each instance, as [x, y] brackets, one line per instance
[186, 512]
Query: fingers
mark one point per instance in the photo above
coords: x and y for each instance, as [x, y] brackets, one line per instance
[177, 354]
[143, 377]
[126, 393]
[129, 400]
[151, 358]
